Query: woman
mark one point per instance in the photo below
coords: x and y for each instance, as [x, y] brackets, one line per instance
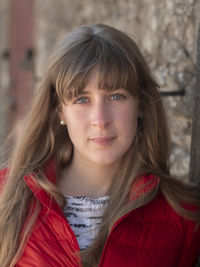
[88, 181]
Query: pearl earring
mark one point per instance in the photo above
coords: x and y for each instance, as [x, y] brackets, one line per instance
[62, 122]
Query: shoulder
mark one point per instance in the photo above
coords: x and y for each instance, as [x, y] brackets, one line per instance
[159, 215]
[159, 234]
[159, 208]
[161, 219]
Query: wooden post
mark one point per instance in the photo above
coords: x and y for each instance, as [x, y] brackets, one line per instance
[195, 144]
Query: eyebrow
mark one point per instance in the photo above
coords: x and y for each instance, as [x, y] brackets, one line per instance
[83, 92]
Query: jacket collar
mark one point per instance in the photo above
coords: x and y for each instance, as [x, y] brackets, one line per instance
[143, 184]
[44, 197]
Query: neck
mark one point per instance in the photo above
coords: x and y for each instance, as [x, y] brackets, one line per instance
[81, 178]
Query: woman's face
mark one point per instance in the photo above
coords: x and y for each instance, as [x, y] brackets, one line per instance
[102, 125]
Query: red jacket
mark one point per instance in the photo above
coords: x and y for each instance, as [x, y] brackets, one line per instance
[152, 235]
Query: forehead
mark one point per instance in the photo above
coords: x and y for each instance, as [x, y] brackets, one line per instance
[99, 77]
[92, 82]
[96, 82]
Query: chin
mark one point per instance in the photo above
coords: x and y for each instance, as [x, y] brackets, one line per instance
[105, 161]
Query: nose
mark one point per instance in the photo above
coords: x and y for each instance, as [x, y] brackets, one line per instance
[100, 115]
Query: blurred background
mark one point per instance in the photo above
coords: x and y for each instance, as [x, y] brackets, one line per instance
[166, 32]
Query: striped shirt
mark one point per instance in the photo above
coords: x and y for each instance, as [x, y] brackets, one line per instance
[84, 216]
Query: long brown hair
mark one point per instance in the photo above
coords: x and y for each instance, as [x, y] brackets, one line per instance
[120, 65]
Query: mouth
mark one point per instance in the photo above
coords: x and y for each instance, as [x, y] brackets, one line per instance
[103, 141]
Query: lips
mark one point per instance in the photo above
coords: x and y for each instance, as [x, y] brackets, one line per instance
[103, 141]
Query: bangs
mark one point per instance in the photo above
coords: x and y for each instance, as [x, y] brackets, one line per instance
[115, 70]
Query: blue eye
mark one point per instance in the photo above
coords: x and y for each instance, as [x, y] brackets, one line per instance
[81, 100]
[117, 97]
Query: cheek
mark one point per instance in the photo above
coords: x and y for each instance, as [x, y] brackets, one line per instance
[76, 117]
[76, 127]
[132, 129]
[73, 130]
[129, 122]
